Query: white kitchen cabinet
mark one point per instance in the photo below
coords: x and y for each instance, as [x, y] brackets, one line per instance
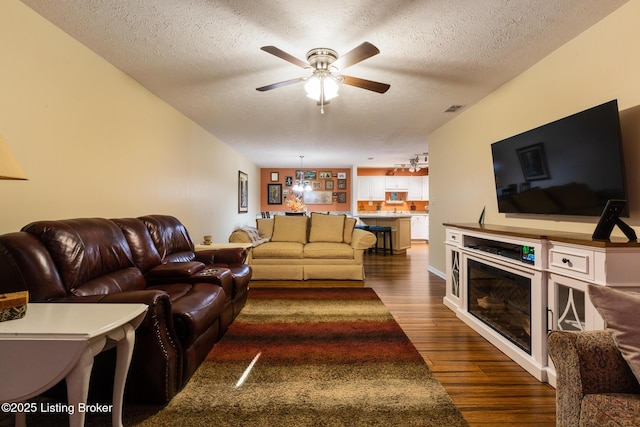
[371, 187]
[425, 187]
[396, 183]
[415, 188]
[419, 227]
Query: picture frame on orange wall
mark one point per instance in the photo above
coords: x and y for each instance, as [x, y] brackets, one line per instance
[274, 194]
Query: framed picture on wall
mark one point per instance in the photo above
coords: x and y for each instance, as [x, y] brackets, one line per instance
[243, 192]
[317, 198]
[275, 177]
[328, 184]
[342, 197]
[274, 194]
[342, 184]
[342, 175]
[325, 174]
[288, 181]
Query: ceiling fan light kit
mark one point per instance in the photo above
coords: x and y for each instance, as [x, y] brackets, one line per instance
[323, 84]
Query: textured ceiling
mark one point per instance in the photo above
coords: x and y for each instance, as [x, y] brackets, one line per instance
[203, 57]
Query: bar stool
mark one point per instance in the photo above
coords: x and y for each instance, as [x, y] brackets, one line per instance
[384, 232]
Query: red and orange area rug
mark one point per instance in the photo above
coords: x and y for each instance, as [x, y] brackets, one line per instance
[311, 357]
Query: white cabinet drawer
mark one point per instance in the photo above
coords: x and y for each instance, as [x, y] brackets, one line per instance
[454, 238]
[571, 261]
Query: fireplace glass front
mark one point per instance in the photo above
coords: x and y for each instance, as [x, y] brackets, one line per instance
[501, 300]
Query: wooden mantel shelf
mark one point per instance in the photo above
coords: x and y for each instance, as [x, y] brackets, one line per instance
[556, 236]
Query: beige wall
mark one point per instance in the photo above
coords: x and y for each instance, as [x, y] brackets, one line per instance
[599, 65]
[96, 143]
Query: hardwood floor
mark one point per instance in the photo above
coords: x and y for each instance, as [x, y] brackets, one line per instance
[487, 387]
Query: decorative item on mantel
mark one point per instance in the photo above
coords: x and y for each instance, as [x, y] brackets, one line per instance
[13, 305]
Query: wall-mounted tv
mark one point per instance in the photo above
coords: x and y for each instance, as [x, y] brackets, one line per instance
[571, 166]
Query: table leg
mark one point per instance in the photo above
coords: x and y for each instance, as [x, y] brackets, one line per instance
[123, 360]
[78, 386]
[21, 419]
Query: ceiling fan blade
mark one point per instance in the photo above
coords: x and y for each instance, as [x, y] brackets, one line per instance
[358, 54]
[365, 84]
[279, 84]
[284, 55]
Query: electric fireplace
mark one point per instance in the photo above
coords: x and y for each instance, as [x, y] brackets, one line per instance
[502, 300]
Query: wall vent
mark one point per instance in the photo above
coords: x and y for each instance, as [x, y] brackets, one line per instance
[453, 108]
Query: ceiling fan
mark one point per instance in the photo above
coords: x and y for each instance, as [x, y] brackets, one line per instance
[325, 63]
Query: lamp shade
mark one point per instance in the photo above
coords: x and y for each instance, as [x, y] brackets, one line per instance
[9, 167]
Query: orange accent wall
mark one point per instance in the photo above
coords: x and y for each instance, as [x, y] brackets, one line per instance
[318, 184]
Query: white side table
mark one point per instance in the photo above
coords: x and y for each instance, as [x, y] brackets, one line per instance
[59, 340]
[203, 247]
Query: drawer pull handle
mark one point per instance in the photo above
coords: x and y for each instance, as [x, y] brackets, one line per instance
[566, 261]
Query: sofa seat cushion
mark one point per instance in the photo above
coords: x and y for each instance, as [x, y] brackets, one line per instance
[328, 250]
[278, 250]
[195, 308]
[615, 409]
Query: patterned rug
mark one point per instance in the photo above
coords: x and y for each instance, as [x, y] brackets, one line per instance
[301, 357]
[311, 357]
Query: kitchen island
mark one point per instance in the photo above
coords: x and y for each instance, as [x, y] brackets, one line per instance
[400, 228]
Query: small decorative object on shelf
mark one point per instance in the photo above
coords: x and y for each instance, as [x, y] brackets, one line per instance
[13, 305]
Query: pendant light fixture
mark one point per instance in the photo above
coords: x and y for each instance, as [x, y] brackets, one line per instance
[300, 184]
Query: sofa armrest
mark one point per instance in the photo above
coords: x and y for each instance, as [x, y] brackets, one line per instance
[222, 256]
[155, 374]
[586, 362]
[362, 239]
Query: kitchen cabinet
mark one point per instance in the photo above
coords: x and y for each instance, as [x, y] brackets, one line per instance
[419, 227]
[396, 183]
[418, 188]
[425, 187]
[415, 188]
[371, 187]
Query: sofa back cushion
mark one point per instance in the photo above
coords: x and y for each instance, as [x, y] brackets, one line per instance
[349, 225]
[326, 228]
[290, 229]
[91, 254]
[170, 237]
[144, 252]
[265, 226]
[25, 264]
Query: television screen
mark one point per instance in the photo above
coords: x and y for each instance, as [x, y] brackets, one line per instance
[571, 166]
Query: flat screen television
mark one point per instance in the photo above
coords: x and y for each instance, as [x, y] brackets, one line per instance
[571, 166]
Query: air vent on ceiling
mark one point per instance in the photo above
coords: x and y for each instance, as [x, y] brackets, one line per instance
[453, 108]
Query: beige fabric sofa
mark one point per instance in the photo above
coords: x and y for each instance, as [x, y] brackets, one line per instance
[323, 247]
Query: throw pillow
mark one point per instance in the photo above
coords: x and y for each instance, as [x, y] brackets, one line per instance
[326, 228]
[620, 312]
[349, 225]
[289, 229]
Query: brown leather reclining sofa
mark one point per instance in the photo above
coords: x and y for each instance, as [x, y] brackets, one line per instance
[192, 296]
